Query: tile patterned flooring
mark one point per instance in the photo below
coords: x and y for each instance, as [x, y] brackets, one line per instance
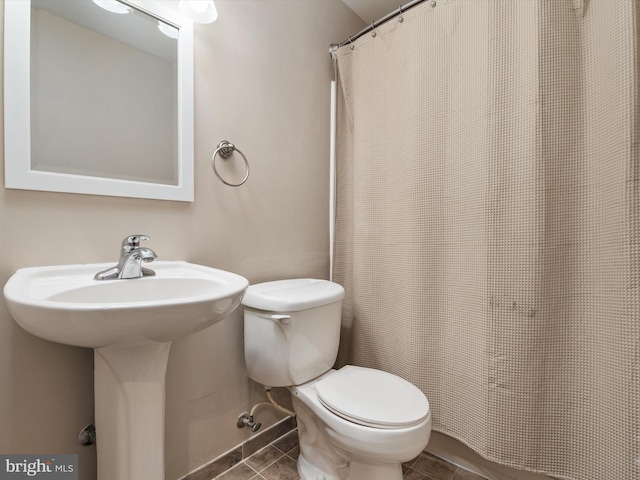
[277, 461]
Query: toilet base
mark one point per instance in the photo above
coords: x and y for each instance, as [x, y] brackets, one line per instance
[309, 472]
[356, 471]
[378, 471]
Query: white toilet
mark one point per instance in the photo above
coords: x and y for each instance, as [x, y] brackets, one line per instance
[354, 423]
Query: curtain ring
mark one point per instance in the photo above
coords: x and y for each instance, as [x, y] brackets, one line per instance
[351, 43]
[226, 149]
[373, 29]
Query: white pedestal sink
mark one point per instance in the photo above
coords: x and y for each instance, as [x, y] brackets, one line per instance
[130, 325]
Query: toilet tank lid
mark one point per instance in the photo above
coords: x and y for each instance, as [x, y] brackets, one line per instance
[292, 295]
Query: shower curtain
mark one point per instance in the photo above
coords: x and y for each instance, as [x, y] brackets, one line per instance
[488, 224]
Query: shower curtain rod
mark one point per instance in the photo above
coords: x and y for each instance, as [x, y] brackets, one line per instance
[403, 8]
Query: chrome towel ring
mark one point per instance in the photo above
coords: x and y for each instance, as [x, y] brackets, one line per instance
[226, 149]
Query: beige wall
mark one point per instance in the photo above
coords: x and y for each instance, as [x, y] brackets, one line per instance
[262, 75]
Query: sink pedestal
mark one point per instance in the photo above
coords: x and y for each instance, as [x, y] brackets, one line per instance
[129, 402]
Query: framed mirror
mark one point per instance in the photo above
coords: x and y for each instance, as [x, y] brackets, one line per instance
[98, 98]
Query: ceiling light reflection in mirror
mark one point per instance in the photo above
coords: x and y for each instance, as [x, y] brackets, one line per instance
[200, 11]
[113, 6]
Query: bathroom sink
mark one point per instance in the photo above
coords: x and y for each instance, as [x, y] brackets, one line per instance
[65, 304]
[130, 324]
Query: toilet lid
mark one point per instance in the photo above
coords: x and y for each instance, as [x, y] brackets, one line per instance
[292, 295]
[373, 398]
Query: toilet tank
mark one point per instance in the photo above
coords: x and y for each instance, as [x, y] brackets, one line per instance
[291, 330]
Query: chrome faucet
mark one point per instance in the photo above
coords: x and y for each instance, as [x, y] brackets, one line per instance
[131, 257]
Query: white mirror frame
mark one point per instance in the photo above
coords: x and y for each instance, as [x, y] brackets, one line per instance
[17, 116]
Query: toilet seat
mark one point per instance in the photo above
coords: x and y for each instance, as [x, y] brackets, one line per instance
[372, 398]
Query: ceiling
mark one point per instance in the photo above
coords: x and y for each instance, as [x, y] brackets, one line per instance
[372, 10]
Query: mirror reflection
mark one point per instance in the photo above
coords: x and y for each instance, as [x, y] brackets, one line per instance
[112, 104]
[103, 91]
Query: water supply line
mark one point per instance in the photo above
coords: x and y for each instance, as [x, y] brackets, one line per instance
[247, 419]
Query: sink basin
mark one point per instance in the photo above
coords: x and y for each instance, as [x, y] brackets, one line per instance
[130, 324]
[65, 304]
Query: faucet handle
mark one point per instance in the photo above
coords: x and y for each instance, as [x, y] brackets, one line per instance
[134, 240]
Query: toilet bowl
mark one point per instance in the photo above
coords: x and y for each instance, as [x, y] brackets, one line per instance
[354, 423]
[371, 441]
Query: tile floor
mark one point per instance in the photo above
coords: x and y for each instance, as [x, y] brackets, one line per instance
[277, 461]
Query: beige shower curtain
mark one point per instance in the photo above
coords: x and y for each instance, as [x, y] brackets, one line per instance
[488, 224]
